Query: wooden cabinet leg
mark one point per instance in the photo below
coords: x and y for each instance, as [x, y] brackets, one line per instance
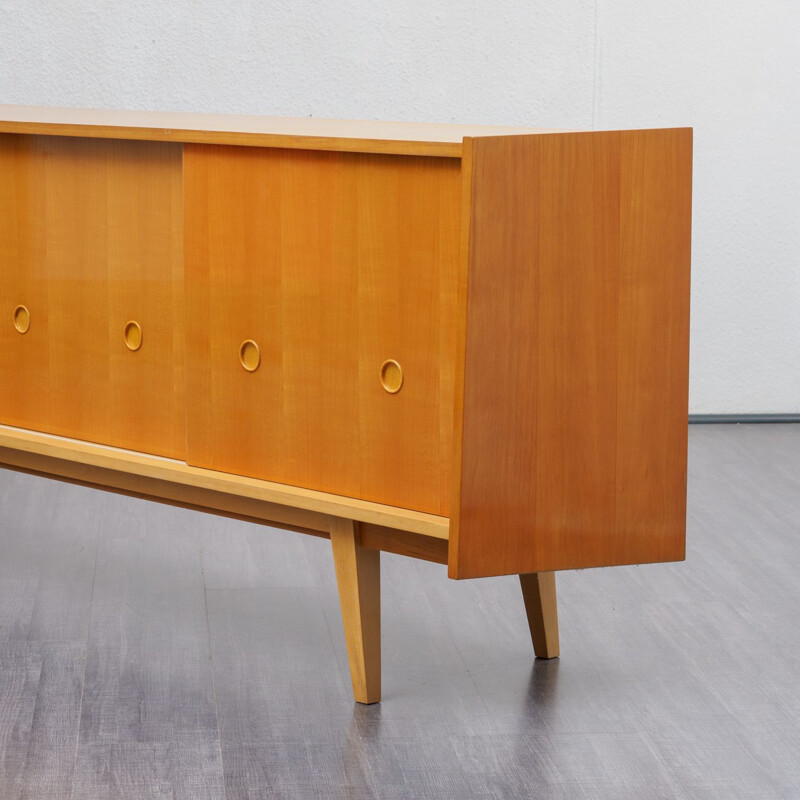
[539, 593]
[358, 573]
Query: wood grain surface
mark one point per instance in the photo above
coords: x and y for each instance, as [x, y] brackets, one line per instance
[575, 379]
[91, 239]
[310, 133]
[332, 263]
[558, 341]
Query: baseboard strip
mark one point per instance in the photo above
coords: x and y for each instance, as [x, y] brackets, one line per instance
[715, 419]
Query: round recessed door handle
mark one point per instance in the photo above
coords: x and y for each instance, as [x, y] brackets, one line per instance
[391, 376]
[22, 319]
[249, 355]
[132, 333]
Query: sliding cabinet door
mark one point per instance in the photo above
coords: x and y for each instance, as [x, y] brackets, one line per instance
[91, 292]
[321, 317]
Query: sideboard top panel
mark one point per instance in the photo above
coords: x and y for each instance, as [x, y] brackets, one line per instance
[307, 133]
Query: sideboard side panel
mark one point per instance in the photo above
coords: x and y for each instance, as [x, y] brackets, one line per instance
[575, 380]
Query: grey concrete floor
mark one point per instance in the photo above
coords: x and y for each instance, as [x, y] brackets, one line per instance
[152, 652]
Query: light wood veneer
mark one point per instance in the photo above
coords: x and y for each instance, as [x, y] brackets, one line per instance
[462, 344]
[333, 263]
[575, 362]
[92, 238]
[303, 133]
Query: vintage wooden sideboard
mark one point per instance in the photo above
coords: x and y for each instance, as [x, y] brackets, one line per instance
[461, 344]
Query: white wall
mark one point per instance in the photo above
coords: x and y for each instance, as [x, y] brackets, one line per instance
[731, 70]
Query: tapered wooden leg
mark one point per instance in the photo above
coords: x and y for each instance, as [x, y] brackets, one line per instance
[539, 593]
[358, 573]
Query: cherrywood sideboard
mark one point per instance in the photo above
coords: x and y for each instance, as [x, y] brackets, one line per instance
[456, 343]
